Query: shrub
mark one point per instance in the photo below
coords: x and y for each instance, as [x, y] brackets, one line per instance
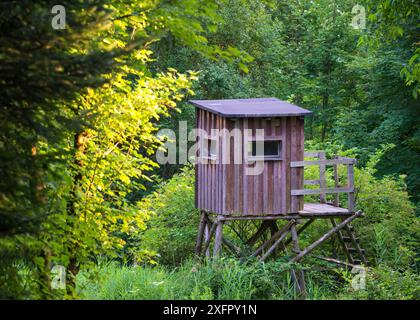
[172, 230]
[385, 283]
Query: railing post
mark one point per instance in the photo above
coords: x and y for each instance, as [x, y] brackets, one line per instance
[322, 180]
[336, 185]
[350, 184]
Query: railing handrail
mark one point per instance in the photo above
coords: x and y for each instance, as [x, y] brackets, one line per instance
[304, 163]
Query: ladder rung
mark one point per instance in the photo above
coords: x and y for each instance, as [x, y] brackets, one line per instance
[345, 238]
[354, 249]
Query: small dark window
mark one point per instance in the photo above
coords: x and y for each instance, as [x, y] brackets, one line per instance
[210, 146]
[272, 150]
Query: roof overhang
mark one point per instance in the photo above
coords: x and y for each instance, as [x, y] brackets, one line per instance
[251, 108]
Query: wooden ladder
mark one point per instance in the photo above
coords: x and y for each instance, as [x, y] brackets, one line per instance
[351, 244]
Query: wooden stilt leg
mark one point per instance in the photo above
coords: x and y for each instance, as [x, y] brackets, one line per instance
[281, 234]
[274, 246]
[207, 236]
[300, 230]
[299, 274]
[265, 224]
[218, 238]
[231, 246]
[201, 227]
[273, 229]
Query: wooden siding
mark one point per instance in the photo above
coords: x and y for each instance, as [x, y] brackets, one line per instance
[226, 189]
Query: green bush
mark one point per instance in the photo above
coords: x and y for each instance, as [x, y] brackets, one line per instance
[172, 230]
[390, 230]
[385, 283]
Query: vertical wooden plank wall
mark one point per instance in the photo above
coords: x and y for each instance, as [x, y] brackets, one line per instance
[225, 189]
[209, 192]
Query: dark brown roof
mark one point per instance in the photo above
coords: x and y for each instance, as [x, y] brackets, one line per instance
[247, 108]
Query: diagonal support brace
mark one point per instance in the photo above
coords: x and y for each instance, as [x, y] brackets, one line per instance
[326, 236]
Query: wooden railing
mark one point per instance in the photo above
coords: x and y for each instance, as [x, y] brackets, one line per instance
[322, 162]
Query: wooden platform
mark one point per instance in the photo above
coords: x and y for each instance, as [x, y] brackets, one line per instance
[310, 210]
[314, 208]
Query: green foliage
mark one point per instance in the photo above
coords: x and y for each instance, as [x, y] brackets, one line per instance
[78, 123]
[114, 162]
[43, 70]
[398, 21]
[390, 228]
[385, 283]
[226, 279]
[172, 227]
[81, 107]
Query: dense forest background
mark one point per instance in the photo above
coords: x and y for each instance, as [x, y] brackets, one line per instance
[81, 107]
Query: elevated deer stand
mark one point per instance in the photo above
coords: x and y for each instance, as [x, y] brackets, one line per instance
[266, 134]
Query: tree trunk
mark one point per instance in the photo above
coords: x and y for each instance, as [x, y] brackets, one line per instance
[73, 267]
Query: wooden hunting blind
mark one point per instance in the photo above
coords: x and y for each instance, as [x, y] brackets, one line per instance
[250, 167]
[223, 185]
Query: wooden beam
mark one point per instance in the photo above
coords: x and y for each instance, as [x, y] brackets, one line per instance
[324, 214]
[279, 233]
[326, 236]
[282, 233]
[295, 240]
[301, 192]
[356, 244]
[300, 230]
[311, 182]
[231, 246]
[264, 226]
[322, 180]
[305, 163]
[218, 238]
[299, 275]
[332, 260]
[273, 229]
[301, 215]
[312, 154]
[210, 234]
[199, 241]
[207, 237]
[346, 158]
[350, 185]
[336, 185]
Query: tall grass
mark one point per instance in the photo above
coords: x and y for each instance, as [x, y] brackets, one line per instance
[228, 279]
[221, 279]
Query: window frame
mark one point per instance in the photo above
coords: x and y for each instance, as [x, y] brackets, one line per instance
[277, 157]
[207, 144]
